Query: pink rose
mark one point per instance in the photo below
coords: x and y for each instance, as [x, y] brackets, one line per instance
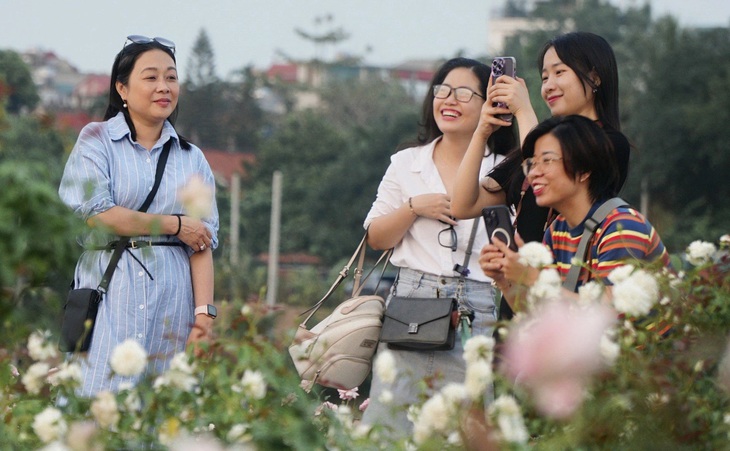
[554, 351]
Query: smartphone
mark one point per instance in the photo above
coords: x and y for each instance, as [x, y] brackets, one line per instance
[503, 65]
[498, 222]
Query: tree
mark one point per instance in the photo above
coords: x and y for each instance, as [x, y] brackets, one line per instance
[36, 230]
[201, 101]
[218, 114]
[331, 170]
[17, 90]
[675, 119]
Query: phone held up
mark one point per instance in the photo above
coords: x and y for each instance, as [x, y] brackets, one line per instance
[503, 65]
[498, 223]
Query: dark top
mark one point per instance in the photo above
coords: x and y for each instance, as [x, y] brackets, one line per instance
[531, 220]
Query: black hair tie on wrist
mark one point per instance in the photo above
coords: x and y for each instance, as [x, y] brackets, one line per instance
[179, 223]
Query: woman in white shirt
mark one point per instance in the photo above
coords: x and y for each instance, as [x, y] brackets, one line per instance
[412, 215]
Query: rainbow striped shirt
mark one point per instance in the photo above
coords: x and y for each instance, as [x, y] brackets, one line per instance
[624, 235]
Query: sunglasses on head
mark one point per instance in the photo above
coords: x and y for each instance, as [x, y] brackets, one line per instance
[139, 39]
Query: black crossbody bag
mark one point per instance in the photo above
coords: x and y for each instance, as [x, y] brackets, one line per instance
[426, 324]
[82, 304]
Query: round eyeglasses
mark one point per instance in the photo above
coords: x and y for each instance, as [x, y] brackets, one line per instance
[531, 163]
[461, 94]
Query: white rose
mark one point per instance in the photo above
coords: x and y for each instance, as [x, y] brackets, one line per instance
[67, 372]
[509, 419]
[253, 384]
[129, 358]
[546, 287]
[637, 294]
[197, 197]
[535, 254]
[35, 377]
[620, 274]
[700, 252]
[39, 347]
[237, 433]
[104, 408]
[49, 425]
[479, 347]
[590, 293]
[385, 366]
[478, 378]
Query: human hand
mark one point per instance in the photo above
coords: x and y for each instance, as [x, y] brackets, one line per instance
[512, 92]
[489, 121]
[202, 332]
[435, 206]
[510, 266]
[194, 233]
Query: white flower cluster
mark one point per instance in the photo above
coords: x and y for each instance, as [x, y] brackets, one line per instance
[438, 415]
[129, 358]
[179, 375]
[197, 197]
[610, 349]
[509, 419]
[535, 254]
[39, 347]
[385, 366]
[478, 354]
[700, 252]
[237, 433]
[35, 377]
[105, 410]
[252, 385]
[49, 425]
[434, 418]
[635, 291]
[68, 372]
[546, 287]
[590, 293]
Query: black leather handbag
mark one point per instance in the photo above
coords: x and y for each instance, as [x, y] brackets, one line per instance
[425, 324]
[421, 324]
[82, 304]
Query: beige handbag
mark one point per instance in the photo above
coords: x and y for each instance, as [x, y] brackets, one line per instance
[337, 352]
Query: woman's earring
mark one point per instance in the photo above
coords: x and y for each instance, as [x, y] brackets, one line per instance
[595, 90]
[125, 103]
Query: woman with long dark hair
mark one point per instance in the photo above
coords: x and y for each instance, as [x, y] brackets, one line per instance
[412, 214]
[161, 293]
[579, 76]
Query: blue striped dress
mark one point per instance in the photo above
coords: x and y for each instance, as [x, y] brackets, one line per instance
[150, 297]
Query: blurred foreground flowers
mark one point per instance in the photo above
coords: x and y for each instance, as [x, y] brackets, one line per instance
[650, 370]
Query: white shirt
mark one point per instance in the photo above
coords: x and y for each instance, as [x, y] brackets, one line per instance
[412, 172]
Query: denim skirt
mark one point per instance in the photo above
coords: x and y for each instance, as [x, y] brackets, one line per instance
[433, 369]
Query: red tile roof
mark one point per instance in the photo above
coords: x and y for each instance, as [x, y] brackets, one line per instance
[225, 164]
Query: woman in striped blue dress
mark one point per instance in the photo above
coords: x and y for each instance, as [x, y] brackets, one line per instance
[159, 294]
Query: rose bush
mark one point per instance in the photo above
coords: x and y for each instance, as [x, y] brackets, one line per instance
[650, 371]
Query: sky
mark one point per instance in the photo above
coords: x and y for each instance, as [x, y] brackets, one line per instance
[89, 33]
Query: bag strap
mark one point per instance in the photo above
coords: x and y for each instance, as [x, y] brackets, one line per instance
[463, 269]
[591, 224]
[122, 242]
[360, 251]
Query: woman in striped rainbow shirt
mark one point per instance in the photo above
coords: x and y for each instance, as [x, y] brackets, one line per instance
[569, 165]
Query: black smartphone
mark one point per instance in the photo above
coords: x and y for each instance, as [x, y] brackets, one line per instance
[498, 222]
[503, 65]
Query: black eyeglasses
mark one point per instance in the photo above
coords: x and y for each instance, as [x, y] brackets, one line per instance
[461, 94]
[451, 237]
[139, 39]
